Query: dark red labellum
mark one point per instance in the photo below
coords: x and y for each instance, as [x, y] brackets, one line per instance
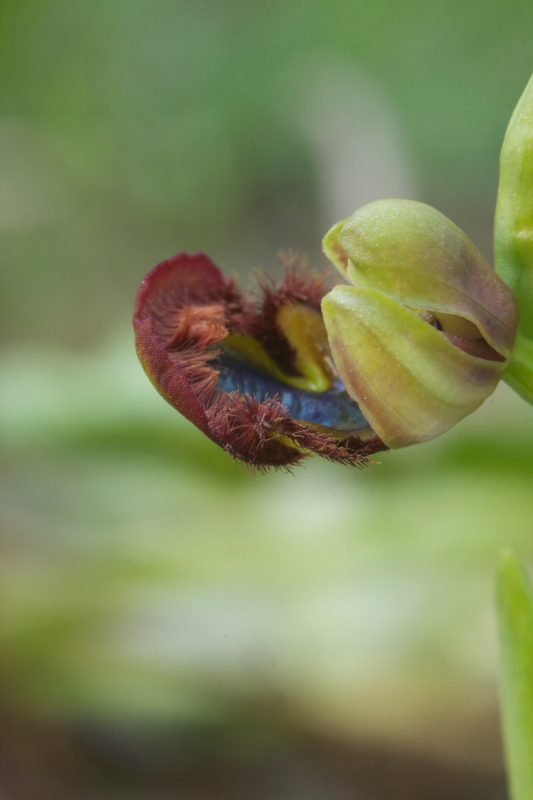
[185, 308]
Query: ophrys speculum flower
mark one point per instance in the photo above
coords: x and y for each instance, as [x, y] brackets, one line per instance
[257, 377]
[417, 338]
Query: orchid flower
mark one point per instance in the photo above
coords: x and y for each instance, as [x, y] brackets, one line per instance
[415, 339]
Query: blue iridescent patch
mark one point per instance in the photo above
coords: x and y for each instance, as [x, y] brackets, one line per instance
[334, 409]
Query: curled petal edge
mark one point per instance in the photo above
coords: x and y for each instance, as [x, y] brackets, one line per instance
[333, 248]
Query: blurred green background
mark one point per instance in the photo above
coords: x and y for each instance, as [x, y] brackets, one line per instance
[171, 627]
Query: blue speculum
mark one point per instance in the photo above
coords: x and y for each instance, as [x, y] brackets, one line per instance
[332, 409]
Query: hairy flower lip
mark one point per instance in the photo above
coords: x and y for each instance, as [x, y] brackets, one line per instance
[333, 409]
[168, 377]
[185, 308]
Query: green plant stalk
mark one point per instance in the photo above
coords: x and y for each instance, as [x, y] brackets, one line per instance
[519, 373]
[515, 616]
[513, 236]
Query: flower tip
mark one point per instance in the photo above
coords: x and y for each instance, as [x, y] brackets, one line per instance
[333, 248]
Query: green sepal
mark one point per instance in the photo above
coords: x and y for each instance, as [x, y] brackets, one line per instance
[410, 381]
[416, 255]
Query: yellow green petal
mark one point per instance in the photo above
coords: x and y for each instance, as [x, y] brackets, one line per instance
[411, 383]
[414, 254]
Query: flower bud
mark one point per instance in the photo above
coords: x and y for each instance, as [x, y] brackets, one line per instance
[423, 335]
[513, 235]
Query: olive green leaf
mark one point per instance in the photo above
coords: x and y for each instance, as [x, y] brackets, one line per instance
[515, 615]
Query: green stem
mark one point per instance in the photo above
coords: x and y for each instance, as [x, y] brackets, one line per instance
[519, 373]
[515, 613]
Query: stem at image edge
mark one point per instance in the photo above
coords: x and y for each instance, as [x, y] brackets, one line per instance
[519, 373]
[515, 616]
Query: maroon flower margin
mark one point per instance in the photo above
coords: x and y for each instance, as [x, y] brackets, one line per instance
[184, 308]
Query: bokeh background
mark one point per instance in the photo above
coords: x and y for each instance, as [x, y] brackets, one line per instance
[171, 627]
